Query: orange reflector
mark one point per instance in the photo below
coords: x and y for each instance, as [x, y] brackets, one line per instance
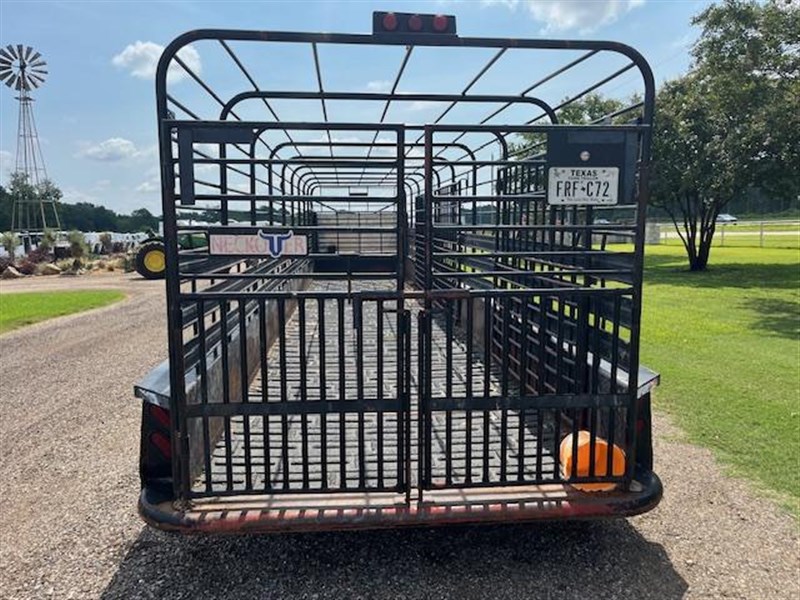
[601, 451]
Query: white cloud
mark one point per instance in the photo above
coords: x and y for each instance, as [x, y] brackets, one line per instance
[582, 15]
[73, 195]
[380, 85]
[6, 162]
[114, 149]
[141, 60]
[418, 105]
[148, 187]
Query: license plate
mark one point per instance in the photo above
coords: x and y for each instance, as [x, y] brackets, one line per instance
[583, 185]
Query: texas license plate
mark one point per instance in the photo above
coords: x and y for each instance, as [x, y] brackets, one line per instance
[583, 185]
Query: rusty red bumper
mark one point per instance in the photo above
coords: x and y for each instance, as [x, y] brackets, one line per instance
[304, 512]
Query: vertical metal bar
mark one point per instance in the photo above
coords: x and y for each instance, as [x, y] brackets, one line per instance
[342, 396]
[539, 443]
[612, 418]
[226, 392]
[487, 359]
[504, 386]
[524, 316]
[201, 339]
[449, 391]
[575, 456]
[323, 393]
[244, 385]
[180, 441]
[428, 212]
[468, 390]
[359, 327]
[301, 318]
[406, 417]
[284, 374]
[559, 344]
[379, 380]
[263, 349]
[422, 377]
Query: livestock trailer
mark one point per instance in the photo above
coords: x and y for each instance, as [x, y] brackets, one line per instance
[410, 307]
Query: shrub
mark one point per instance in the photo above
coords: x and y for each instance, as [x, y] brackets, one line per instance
[105, 243]
[77, 244]
[9, 241]
[38, 255]
[5, 262]
[65, 264]
[48, 240]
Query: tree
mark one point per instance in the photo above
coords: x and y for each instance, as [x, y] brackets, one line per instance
[592, 107]
[732, 122]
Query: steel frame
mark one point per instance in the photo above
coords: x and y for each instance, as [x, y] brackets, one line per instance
[552, 302]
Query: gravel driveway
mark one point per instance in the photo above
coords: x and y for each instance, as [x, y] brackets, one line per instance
[68, 459]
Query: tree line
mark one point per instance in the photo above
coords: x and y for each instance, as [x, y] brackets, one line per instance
[81, 216]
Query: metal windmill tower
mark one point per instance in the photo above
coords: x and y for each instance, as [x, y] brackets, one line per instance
[22, 69]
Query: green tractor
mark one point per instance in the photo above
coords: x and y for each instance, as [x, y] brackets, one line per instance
[151, 257]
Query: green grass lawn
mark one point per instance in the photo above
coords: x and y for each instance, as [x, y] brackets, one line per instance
[24, 308]
[727, 344]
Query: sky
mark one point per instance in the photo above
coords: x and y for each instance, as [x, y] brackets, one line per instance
[96, 112]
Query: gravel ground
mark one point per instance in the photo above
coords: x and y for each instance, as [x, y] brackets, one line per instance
[68, 452]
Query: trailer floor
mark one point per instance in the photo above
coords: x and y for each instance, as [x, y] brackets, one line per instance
[296, 457]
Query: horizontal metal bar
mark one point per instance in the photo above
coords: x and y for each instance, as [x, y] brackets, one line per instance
[315, 275]
[255, 407]
[547, 401]
[527, 273]
[376, 163]
[444, 294]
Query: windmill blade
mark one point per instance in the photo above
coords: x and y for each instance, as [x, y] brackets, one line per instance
[4, 65]
[5, 61]
[19, 84]
[36, 80]
[5, 75]
[11, 53]
[35, 57]
[38, 63]
[42, 73]
[19, 51]
[11, 81]
[5, 55]
[28, 51]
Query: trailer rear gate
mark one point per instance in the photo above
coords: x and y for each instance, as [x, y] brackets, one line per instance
[395, 322]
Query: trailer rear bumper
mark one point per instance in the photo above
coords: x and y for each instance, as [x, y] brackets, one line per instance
[296, 512]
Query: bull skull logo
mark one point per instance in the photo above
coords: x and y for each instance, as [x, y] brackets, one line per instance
[275, 241]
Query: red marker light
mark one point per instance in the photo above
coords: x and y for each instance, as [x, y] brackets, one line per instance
[389, 21]
[415, 23]
[440, 23]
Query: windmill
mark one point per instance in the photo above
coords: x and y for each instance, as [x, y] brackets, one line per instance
[23, 70]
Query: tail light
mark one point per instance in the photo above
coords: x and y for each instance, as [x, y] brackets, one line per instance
[155, 460]
[384, 23]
